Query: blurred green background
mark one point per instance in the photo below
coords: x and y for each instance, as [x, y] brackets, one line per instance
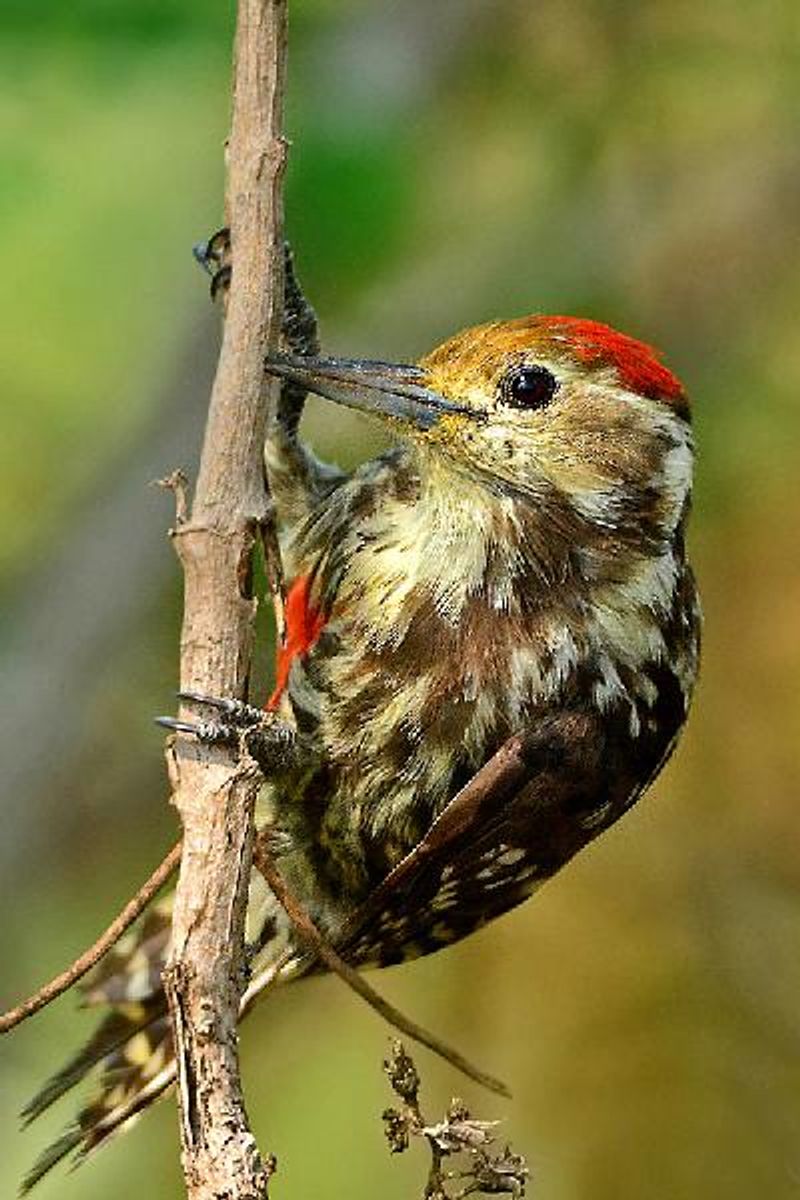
[452, 161]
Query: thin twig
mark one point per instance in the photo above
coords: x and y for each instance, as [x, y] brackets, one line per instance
[133, 909]
[458, 1135]
[316, 942]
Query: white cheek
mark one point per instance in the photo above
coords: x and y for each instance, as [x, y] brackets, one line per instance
[676, 474]
[673, 479]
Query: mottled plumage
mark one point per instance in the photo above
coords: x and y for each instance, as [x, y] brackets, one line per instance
[505, 592]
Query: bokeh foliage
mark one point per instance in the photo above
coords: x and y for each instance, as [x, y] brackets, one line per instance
[637, 162]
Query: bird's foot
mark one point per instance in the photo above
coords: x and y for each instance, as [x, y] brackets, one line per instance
[299, 319]
[266, 737]
[213, 256]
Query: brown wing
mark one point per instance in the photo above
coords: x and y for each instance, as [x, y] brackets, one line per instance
[543, 796]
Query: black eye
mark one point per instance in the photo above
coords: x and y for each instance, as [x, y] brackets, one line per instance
[528, 387]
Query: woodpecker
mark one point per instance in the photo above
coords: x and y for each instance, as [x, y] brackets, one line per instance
[492, 640]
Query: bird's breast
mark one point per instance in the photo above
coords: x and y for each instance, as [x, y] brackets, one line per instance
[442, 638]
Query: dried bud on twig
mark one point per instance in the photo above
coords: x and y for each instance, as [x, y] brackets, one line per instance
[457, 1134]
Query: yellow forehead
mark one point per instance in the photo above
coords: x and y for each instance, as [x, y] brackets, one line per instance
[474, 359]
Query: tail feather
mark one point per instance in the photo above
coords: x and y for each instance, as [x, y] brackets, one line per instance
[135, 1052]
[132, 970]
[69, 1141]
[130, 1053]
[93, 1130]
[132, 1046]
[109, 1038]
[129, 980]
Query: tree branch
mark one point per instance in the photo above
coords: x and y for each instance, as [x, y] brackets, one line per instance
[91, 957]
[215, 799]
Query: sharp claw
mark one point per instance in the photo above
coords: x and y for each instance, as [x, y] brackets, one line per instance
[238, 710]
[205, 731]
[267, 739]
[202, 698]
[209, 253]
[220, 279]
[202, 255]
[177, 726]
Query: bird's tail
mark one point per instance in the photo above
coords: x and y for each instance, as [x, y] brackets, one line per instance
[130, 1053]
[131, 1049]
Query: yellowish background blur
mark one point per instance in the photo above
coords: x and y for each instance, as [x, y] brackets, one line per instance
[452, 161]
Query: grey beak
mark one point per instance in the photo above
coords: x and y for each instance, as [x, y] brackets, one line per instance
[391, 389]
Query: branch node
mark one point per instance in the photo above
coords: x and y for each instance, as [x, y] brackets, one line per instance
[177, 482]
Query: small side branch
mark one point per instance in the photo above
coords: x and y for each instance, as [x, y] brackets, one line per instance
[463, 1162]
[91, 957]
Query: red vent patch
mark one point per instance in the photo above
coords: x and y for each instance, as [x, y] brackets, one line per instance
[304, 624]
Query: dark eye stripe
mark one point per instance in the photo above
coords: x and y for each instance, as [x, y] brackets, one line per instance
[528, 387]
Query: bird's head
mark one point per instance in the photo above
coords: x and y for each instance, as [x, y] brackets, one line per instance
[565, 412]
